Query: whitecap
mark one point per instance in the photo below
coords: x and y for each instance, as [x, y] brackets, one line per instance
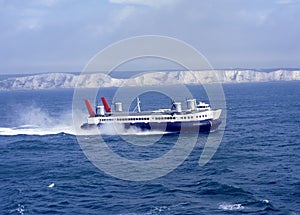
[51, 185]
[266, 201]
[20, 209]
[231, 207]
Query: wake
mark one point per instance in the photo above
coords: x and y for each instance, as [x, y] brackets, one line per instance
[69, 129]
[34, 130]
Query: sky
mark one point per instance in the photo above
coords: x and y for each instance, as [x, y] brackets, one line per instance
[38, 36]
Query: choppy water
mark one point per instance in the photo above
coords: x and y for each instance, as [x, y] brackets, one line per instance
[255, 170]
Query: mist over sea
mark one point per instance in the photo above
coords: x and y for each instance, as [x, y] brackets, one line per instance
[43, 169]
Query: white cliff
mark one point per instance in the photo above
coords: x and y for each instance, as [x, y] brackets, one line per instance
[96, 80]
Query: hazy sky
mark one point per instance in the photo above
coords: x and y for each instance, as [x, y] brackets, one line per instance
[62, 35]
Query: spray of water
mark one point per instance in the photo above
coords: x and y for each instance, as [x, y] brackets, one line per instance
[34, 120]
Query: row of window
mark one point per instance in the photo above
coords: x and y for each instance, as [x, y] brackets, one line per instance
[156, 118]
[191, 117]
[162, 118]
[125, 119]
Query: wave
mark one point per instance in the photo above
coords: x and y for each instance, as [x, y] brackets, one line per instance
[230, 207]
[249, 206]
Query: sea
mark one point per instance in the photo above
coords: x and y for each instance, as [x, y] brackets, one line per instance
[255, 169]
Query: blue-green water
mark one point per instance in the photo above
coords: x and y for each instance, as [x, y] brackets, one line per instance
[255, 170]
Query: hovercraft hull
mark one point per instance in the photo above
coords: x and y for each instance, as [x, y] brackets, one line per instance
[174, 127]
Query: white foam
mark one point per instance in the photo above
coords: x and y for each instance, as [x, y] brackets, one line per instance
[118, 129]
[51, 185]
[35, 121]
[20, 209]
[266, 201]
[231, 207]
[69, 129]
[36, 130]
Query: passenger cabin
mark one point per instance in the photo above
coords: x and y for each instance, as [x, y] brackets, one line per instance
[202, 106]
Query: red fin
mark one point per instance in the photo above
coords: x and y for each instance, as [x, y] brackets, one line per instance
[90, 108]
[106, 105]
